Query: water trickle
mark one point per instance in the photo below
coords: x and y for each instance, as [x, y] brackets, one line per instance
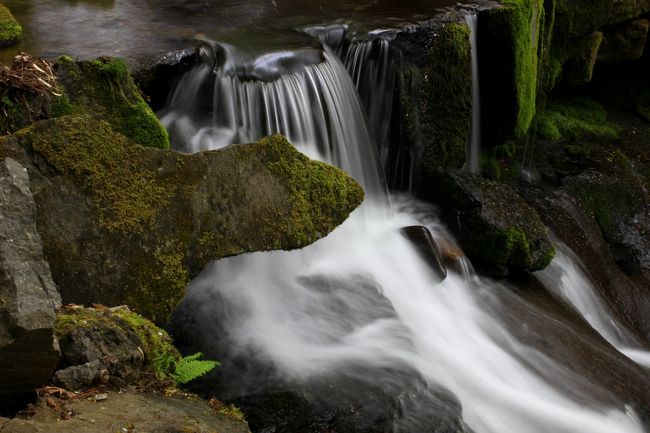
[566, 278]
[273, 304]
[472, 163]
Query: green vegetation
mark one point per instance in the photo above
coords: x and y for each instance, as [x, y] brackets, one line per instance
[10, 31]
[523, 20]
[573, 118]
[191, 367]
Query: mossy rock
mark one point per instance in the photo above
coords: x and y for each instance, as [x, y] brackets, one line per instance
[104, 88]
[574, 118]
[435, 89]
[125, 224]
[496, 228]
[114, 332]
[10, 31]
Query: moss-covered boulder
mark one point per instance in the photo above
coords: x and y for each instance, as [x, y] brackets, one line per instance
[104, 88]
[497, 229]
[122, 223]
[115, 340]
[10, 31]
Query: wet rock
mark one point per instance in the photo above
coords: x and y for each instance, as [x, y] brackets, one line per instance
[427, 247]
[434, 98]
[350, 405]
[497, 229]
[28, 297]
[79, 376]
[625, 42]
[124, 224]
[156, 75]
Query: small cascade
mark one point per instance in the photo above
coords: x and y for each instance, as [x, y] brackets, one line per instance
[472, 163]
[565, 278]
[370, 62]
[312, 101]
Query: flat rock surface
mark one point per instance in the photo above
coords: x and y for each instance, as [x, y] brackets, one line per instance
[125, 413]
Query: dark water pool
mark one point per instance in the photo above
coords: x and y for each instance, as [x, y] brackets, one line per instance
[89, 28]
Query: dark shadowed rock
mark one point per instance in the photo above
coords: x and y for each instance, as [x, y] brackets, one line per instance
[126, 224]
[28, 297]
[497, 229]
[427, 247]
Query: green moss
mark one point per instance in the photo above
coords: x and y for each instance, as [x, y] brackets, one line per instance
[523, 20]
[155, 342]
[61, 106]
[314, 192]
[159, 282]
[127, 199]
[104, 88]
[10, 31]
[575, 118]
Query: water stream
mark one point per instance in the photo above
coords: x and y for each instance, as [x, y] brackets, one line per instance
[474, 145]
[272, 304]
[566, 278]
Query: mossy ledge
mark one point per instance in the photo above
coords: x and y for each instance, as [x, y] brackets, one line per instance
[122, 223]
[104, 88]
[10, 31]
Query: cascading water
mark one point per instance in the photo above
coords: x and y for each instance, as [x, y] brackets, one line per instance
[272, 304]
[370, 61]
[565, 278]
[474, 146]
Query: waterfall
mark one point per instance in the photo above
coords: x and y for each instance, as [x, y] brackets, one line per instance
[363, 296]
[472, 163]
[565, 278]
[369, 60]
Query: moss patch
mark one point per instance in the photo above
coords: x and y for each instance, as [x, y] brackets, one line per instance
[104, 88]
[155, 342]
[10, 31]
[575, 118]
[126, 198]
[313, 193]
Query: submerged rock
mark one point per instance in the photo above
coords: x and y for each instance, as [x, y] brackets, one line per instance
[28, 297]
[126, 224]
[494, 225]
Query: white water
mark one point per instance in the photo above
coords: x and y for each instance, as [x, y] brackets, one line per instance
[566, 278]
[446, 332]
[474, 149]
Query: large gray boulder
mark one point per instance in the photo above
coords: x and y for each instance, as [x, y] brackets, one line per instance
[28, 297]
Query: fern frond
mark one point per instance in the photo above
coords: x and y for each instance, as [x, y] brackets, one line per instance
[192, 367]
